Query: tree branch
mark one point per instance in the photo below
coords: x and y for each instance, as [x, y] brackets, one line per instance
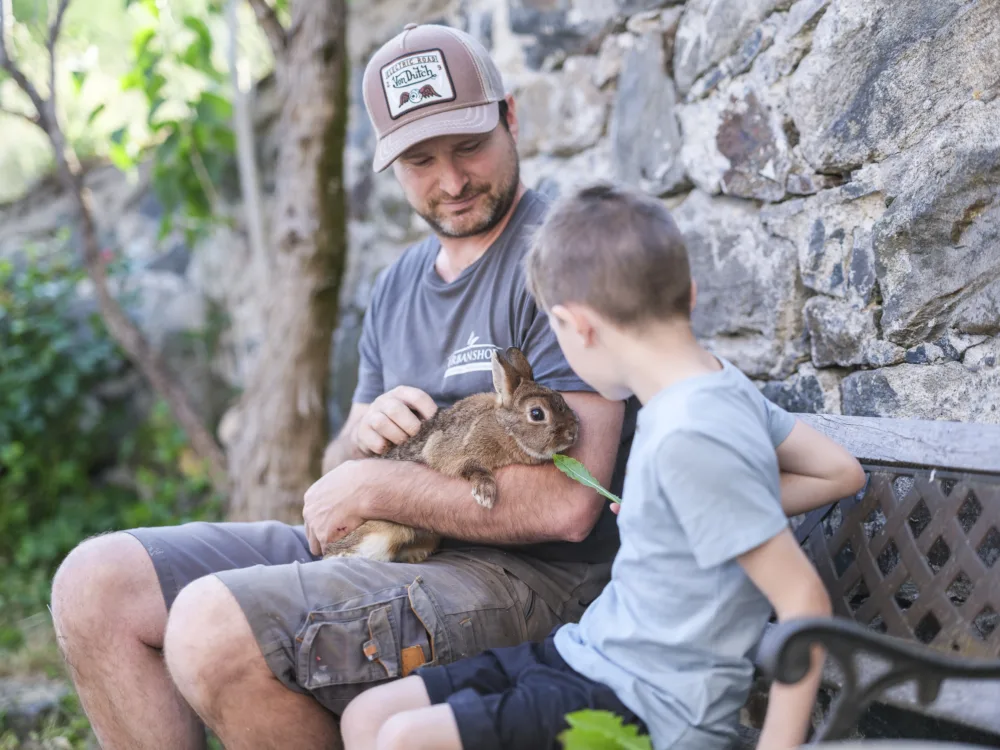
[271, 26]
[8, 64]
[122, 329]
[54, 30]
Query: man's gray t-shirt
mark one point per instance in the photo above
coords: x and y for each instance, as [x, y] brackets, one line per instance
[673, 631]
[437, 336]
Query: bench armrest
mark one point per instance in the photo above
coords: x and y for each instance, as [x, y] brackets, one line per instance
[783, 655]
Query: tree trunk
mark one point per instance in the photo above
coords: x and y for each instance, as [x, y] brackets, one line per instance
[278, 430]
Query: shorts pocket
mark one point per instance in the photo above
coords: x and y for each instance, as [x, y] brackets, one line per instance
[349, 646]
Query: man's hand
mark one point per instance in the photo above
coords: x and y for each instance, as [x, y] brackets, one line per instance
[390, 419]
[331, 508]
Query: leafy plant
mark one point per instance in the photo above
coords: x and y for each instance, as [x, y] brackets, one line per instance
[576, 470]
[601, 730]
[73, 462]
[194, 144]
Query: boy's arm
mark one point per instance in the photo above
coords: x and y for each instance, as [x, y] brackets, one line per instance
[815, 470]
[783, 573]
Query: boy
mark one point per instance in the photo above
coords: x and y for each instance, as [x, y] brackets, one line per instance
[706, 551]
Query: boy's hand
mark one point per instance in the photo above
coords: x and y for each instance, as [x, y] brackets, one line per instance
[783, 573]
[615, 507]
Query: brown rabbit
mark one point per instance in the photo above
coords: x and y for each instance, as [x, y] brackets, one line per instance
[523, 423]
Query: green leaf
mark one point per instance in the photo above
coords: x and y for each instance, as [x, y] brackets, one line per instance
[576, 470]
[214, 109]
[93, 115]
[120, 157]
[601, 730]
[79, 76]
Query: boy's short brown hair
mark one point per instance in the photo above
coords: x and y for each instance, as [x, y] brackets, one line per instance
[615, 250]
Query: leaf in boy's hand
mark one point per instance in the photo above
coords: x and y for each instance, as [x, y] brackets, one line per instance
[601, 730]
[576, 470]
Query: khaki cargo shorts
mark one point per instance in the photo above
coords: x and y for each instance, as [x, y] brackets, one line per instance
[334, 628]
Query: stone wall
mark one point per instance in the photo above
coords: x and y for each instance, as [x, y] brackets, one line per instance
[834, 165]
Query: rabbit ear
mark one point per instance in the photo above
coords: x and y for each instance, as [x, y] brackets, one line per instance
[505, 378]
[520, 363]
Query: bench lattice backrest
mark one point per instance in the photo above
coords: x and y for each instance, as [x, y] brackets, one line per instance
[915, 555]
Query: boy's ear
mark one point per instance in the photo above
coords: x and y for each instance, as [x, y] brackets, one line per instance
[578, 321]
[694, 295]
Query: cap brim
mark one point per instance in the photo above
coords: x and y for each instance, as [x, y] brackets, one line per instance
[481, 118]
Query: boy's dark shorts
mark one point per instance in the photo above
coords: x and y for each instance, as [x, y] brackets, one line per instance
[516, 698]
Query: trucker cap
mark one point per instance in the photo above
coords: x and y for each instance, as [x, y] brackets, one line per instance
[427, 81]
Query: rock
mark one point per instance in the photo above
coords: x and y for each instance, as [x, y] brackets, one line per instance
[948, 391]
[755, 146]
[809, 184]
[734, 144]
[808, 391]
[554, 29]
[983, 357]
[652, 21]
[556, 176]
[562, 113]
[881, 76]
[935, 246]
[175, 260]
[610, 58]
[26, 703]
[842, 334]
[645, 135]
[954, 344]
[832, 233]
[711, 30]
[759, 40]
[749, 299]
[792, 41]
[924, 354]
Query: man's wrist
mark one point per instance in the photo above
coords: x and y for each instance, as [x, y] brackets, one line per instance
[369, 487]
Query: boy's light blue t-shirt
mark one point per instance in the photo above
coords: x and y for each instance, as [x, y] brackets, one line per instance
[672, 631]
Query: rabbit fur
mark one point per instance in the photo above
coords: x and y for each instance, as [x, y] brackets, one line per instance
[522, 423]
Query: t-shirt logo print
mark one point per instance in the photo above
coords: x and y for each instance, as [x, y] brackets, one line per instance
[473, 357]
[417, 79]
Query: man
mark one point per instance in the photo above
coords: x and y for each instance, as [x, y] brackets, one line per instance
[265, 641]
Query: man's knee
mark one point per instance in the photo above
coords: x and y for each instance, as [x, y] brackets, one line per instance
[208, 643]
[106, 580]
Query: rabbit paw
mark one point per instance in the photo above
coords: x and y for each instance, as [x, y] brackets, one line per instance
[485, 492]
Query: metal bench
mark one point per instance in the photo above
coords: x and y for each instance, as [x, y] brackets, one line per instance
[912, 565]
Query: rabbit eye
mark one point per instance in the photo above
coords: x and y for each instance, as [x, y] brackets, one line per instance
[537, 415]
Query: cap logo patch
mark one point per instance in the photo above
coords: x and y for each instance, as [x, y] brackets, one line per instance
[419, 79]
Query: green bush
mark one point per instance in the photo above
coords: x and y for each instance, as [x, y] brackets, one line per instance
[73, 462]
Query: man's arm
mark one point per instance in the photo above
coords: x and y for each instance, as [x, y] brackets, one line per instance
[534, 503]
[344, 447]
[780, 569]
[815, 470]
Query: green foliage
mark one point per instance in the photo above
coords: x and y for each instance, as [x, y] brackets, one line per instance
[194, 147]
[601, 730]
[73, 463]
[577, 471]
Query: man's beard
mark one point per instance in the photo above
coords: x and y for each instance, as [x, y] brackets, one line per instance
[498, 201]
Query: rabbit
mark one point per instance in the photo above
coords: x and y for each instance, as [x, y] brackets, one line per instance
[522, 423]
